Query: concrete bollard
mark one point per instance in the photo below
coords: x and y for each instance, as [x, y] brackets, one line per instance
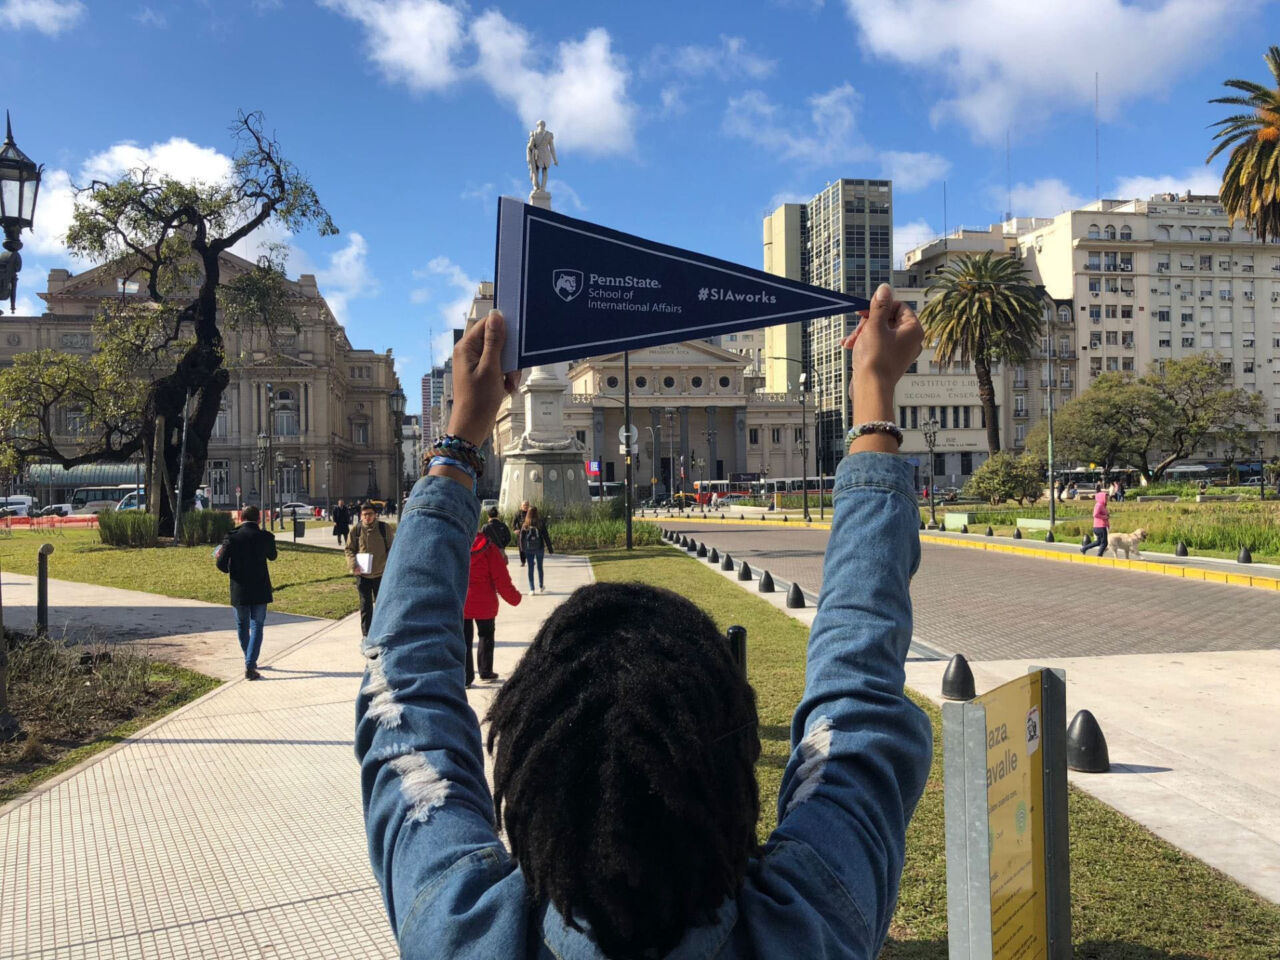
[964, 528]
[990, 532]
[738, 646]
[1243, 557]
[744, 571]
[784, 518]
[702, 550]
[795, 597]
[922, 523]
[766, 583]
[693, 546]
[1180, 550]
[957, 681]
[714, 556]
[1086, 746]
[726, 563]
[1048, 537]
[1017, 533]
[42, 589]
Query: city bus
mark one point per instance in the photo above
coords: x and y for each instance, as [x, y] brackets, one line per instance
[704, 490]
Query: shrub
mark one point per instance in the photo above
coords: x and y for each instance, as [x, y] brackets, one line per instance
[1006, 477]
[127, 528]
[205, 526]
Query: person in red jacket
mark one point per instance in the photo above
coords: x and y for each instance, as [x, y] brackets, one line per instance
[489, 577]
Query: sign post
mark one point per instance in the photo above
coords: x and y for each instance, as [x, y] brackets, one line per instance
[1005, 772]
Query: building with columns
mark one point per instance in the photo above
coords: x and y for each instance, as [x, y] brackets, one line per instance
[691, 405]
[332, 413]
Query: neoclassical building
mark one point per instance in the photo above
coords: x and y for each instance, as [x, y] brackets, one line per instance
[333, 411]
[689, 400]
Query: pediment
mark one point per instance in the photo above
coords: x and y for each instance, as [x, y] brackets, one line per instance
[686, 352]
[281, 361]
[100, 282]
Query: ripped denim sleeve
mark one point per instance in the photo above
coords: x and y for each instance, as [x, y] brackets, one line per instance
[860, 749]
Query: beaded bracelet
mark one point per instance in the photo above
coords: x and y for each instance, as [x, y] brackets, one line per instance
[459, 449]
[439, 461]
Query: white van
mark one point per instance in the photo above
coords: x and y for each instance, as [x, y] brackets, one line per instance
[17, 506]
[95, 500]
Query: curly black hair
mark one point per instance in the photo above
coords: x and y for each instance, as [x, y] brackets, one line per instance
[625, 767]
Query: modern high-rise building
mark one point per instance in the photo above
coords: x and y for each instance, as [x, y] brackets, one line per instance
[432, 390]
[842, 239]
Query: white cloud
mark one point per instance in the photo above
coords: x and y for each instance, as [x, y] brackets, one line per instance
[827, 136]
[148, 17]
[672, 99]
[582, 95]
[913, 171]
[414, 42]
[347, 277]
[1043, 198]
[788, 196]
[50, 17]
[907, 236]
[1009, 63]
[459, 289]
[1199, 180]
[27, 306]
[729, 61]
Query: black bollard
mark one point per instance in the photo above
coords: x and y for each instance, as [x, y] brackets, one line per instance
[1244, 556]
[1086, 746]
[726, 563]
[702, 550]
[766, 582]
[1048, 537]
[714, 556]
[957, 682]
[784, 518]
[795, 597]
[738, 646]
[922, 523]
[693, 546]
[990, 532]
[42, 589]
[744, 571]
[1017, 533]
[964, 528]
[1180, 550]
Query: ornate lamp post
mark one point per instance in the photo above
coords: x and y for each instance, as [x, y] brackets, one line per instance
[19, 187]
[397, 413]
[671, 452]
[804, 443]
[328, 486]
[277, 500]
[930, 430]
[654, 452]
[819, 452]
[260, 462]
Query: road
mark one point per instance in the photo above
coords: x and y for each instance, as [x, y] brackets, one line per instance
[992, 606]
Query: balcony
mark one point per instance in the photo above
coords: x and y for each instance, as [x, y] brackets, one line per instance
[1162, 268]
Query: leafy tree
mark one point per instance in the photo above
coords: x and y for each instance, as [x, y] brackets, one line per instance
[1098, 426]
[1006, 477]
[986, 311]
[1251, 180]
[1195, 398]
[167, 236]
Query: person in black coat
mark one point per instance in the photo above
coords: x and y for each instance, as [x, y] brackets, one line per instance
[244, 554]
[341, 522]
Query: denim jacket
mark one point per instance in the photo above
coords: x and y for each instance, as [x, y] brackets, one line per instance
[825, 884]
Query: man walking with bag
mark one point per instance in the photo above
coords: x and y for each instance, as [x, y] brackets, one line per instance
[243, 555]
[367, 549]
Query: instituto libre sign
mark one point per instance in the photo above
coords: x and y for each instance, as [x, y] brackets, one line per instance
[937, 390]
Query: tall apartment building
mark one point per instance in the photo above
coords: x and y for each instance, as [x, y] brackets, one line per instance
[432, 391]
[842, 239]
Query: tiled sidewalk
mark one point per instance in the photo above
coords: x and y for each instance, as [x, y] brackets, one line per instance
[232, 829]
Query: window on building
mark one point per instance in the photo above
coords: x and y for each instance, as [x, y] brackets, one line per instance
[902, 417]
[1095, 365]
[775, 435]
[1189, 342]
[219, 481]
[286, 413]
[360, 432]
[77, 423]
[582, 437]
[1224, 340]
[1019, 405]
[1248, 366]
[1019, 434]
[1111, 311]
[1113, 364]
[697, 383]
[612, 383]
[1163, 316]
[915, 418]
[1126, 339]
[1094, 232]
[222, 425]
[1095, 284]
[966, 463]
[1093, 260]
[1113, 285]
[1166, 341]
[1126, 232]
[1162, 263]
[724, 383]
[1113, 338]
[753, 436]
[1126, 312]
[1109, 232]
[1206, 340]
[939, 464]
[1095, 339]
[1126, 364]
[642, 382]
[1095, 314]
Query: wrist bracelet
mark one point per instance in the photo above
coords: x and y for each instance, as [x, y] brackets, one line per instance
[439, 461]
[875, 426]
[456, 448]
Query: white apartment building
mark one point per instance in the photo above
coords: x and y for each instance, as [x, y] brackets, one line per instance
[1157, 279]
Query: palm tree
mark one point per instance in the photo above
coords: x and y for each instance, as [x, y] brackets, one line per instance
[986, 311]
[1251, 182]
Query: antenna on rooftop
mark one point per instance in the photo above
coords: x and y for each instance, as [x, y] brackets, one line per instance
[1008, 178]
[1097, 150]
[944, 214]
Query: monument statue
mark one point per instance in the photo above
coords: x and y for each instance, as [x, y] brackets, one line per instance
[544, 463]
[541, 153]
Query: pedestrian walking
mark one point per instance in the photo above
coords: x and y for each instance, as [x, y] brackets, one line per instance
[489, 579]
[341, 521]
[367, 548]
[1101, 525]
[535, 542]
[497, 531]
[520, 515]
[243, 555]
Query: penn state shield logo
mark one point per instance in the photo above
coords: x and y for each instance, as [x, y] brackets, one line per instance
[566, 283]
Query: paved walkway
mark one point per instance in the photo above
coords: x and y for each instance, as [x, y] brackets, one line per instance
[230, 829]
[190, 633]
[1190, 732]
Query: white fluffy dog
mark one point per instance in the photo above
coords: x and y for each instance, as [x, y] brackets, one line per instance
[1128, 542]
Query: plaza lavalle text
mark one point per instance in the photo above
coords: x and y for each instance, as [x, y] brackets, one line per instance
[1006, 764]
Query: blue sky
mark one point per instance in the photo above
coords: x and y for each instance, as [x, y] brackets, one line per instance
[684, 122]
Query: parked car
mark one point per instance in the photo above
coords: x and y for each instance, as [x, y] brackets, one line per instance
[731, 499]
[18, 506]
[56, 510]
[485, 505]
[303, 509]
[1251, 482]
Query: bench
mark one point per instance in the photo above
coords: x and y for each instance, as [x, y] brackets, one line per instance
[1031, 523]
[1169, 499]
[1221, 498]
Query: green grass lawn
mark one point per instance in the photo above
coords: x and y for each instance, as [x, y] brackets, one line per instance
[1134, 897]
[310, 581]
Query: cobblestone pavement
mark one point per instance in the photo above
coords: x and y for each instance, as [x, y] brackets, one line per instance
[996, 606]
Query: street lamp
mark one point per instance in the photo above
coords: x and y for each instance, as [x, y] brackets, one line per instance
[1262, 473]
[1053, 309]
[328, 487]
[654, 453]
[260, 461]
[397, 412]
[671, 452]
[819, 461]
[277, 502]
[804, 434]
[930, 430]
[19, 187]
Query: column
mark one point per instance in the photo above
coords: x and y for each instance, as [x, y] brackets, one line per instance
[740, 439]
[684, 448]
[712, 444]
[655, 455]
[597, 437]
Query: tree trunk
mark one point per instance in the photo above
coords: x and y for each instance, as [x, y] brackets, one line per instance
[987, 394]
